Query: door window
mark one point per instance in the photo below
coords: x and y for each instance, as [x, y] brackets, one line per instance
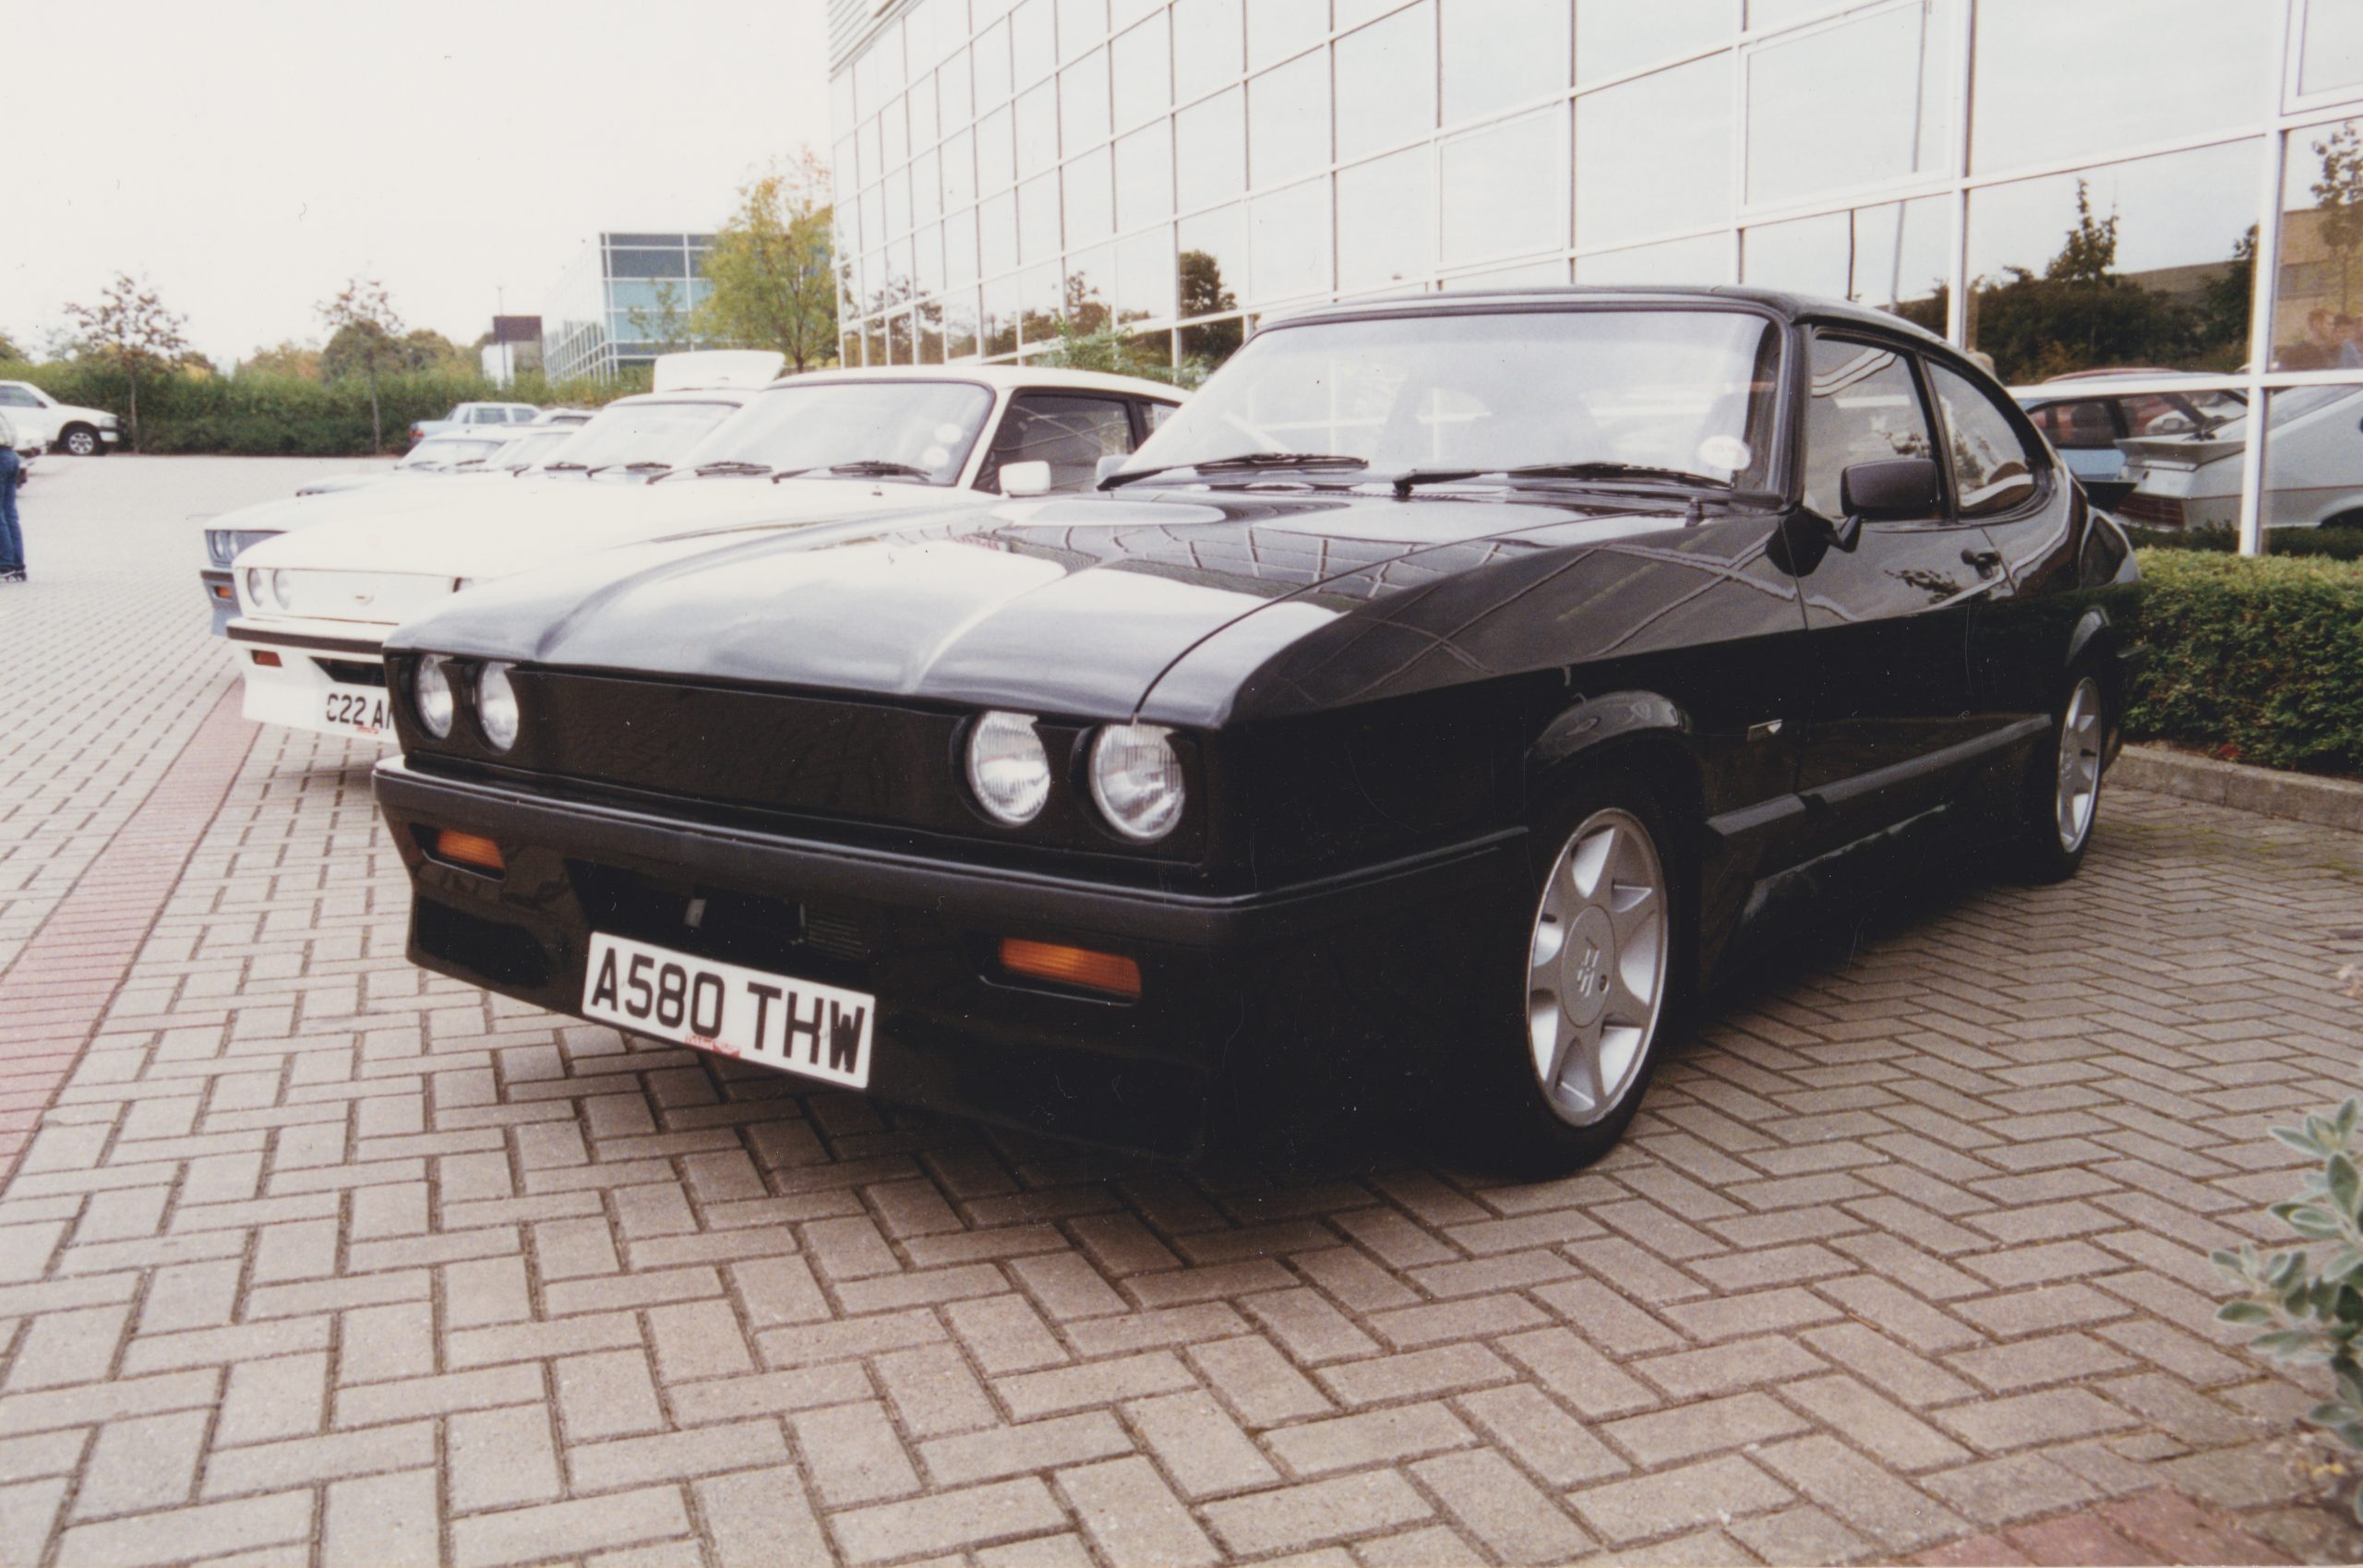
[1862, 406]
[17, 397]
[1070, 433]
[1992, 471]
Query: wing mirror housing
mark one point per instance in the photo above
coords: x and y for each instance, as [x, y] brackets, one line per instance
[1107, 465]
[1889, 490]
[1025, 479]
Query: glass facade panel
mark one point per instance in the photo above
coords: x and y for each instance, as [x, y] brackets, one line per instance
[2189, 66]
[960, 324]
[1277, 28]
[1142, 73]
[956, 162]
[927, 187]
[1083, 102]
[898, 202]
[997, 233]
[2313, 466]
[671, 263]
[1212, 274]
[1613, 37]
[997, 149]
[1654, 154]
[1033, 49]
[1209, 45]
[992, 66]
[894, 135]
[1500, 187]
[1849, 104]
[1705, 259]
[1290, 244]
[2320, 278]
[1386, 82]
[960, 267]
[1037, 129]
[1144, 175]
[1144, 276]
[1387, 222]
[2331, 52]
[1210, 145]
[924, 132]
[956, 95]
[1090, 288]
[1090, 197]
[2122, 265]
[1037, 220]
[1001, 317]
[1041, 299]
[1498, 54]
[1288, 116]
[1893, 256]
[1082, 24]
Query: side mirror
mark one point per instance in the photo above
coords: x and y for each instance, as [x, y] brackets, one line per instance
[1892, 490]
[1025, 479]
[1107, 465]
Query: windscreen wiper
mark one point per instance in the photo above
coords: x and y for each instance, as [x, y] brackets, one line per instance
[644, 466]
[879, 468]
[734, 465]
[1405, 480]
[1244, 461]
[562, 465]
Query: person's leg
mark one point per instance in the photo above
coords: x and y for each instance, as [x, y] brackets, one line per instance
[12, 539]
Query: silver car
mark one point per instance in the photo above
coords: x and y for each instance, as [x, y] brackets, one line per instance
[2313, 467]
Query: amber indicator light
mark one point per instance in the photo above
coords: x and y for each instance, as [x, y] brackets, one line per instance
[265, 658]
[222, 590]
[1071, 966]
[468, 849]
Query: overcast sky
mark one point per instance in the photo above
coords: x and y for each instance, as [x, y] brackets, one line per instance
[248, 157]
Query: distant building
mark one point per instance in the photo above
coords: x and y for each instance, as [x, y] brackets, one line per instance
[624, 299]
[515, 348]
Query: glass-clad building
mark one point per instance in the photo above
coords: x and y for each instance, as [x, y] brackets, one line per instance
[624, 299]
[2156, 188]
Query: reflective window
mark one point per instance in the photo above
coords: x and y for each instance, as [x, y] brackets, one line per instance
[1083, 102]
[960, 267]
[1124, 13]
[928, 319]
[1765, 15]
[1894, 257]
[1287, 115]
[1032, 51]
[997, 149]
[1209, 45]
[1993, 469]
[1037, 220]
[922, 110]
[1082, 24]
[647, 264]
[992, 65]
[927, 187]
[898, 202]
[1498, 53]
[957, 163]
[1041, 296]
[1142, 73]
[1613, 37]
[959, 324]
[1212, 269]
[1144, 276]
[1277, 28]
[1387, 222]
[894, 135]
[898, 338]
[1288, 242]
[997, 231]
[1704, 259]
[1807, 256]
[2200, 65]
[955, 100]
[1804, 136]
[2313, 465]
[1501, 188]
[1089, 289]
[1210, 150]
[1070, 433]
[1090, 197]
[2319, 292]
[1144, 175]
[1654, 154]
[1206, 344]
[927, 260]
[2143, 264]
[1862, 405]
[2332, 53]
[1001, 317]
[1037, 129]
[1386, 82]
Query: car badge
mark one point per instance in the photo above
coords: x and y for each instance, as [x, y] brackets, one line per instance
[360, 600]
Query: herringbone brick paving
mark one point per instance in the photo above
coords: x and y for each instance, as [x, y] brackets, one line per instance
[319, 1260]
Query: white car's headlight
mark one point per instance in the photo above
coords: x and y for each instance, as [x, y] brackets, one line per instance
[496, 706]
[434, 696]
[1136, 780]
[255, 588]
[1008, 769]
[283, 588]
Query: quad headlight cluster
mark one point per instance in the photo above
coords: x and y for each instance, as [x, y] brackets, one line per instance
[1135, 774]
[224, 544]
[440, 690]
[269, 589]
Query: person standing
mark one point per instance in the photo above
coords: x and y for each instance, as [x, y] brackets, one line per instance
[12, 538]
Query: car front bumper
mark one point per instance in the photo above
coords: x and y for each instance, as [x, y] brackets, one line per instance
[323, 676]
[1253, 1008]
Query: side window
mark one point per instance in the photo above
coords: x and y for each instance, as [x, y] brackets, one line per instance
[1862, 406]
[1993, 471]
[1159, 414]
[1070, 433]
[2077, 428]
[17, 397]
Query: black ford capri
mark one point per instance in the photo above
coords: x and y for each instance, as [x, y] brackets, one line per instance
[1448, 690]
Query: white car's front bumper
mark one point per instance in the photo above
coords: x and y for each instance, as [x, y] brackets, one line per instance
[323, 676]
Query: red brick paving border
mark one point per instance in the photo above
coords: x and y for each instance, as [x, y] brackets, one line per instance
[2155, 1526]
[54, 995]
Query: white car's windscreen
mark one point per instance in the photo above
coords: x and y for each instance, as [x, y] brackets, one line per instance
[920, 431]
[442, 452]
[624, 433]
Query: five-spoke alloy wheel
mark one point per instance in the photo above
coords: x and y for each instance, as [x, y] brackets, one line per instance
[1597, 966]
[2080, 735]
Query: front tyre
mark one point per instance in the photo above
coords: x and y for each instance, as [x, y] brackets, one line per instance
[1597, 968]
[2064, 784]
[81, 441]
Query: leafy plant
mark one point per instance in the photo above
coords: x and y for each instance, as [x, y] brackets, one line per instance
[2310, 1307]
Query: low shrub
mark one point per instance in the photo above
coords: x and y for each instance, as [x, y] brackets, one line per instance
[2252, 660]
[2337, 543]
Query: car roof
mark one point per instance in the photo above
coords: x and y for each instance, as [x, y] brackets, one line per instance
[1029, 376]
[1778, 302]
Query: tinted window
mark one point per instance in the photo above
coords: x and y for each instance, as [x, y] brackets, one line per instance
[1992, 468]
[1862, 407]
[17, 397]
[1070, 433]
[1158, 414]
[2074, 427]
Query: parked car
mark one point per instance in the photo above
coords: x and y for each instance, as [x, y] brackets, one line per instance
[475, 416]
[829, 447]
[2084, 418]
[564, 417]
[1444, 692]
[41, 420]
[2313, 468]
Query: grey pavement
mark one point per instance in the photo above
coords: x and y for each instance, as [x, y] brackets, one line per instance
[313, 1259]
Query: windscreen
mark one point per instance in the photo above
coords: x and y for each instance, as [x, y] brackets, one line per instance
[923, 428]
[1688, 390]
[441, 451]
[628, 433]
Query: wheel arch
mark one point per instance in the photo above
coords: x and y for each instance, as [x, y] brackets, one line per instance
[1651, 737]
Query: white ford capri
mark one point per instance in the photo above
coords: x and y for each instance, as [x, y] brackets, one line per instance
[830, 447]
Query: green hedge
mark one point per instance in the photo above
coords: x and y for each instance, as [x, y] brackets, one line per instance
[2338, 543]
[259, 415]
[2252, 660]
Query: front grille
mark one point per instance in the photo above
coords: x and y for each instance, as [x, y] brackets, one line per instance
[353, 671]
[757, 930]
[2151, 511]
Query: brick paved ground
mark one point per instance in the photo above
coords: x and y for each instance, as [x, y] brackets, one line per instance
[317, 1260]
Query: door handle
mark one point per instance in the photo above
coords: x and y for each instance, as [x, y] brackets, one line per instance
[1987, 562]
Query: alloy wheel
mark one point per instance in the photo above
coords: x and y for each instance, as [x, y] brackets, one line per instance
[2080, 764]
[81, 443]
[1596, 966]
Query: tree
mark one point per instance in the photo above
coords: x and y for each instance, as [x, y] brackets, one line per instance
[2338, 195]
[362, 315]
[772, 272]
[664, 324]
[297, 360]
[2089, 255]
[130, 327]
[9, 350]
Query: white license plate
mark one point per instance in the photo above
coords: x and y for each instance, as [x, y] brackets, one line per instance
[820, 1030]
[357, 710]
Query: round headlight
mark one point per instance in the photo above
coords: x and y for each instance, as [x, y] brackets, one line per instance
[1136, 780]
[496, 706]
[434, 695]
[1008, 769]
[253, 588]
[280, 589]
